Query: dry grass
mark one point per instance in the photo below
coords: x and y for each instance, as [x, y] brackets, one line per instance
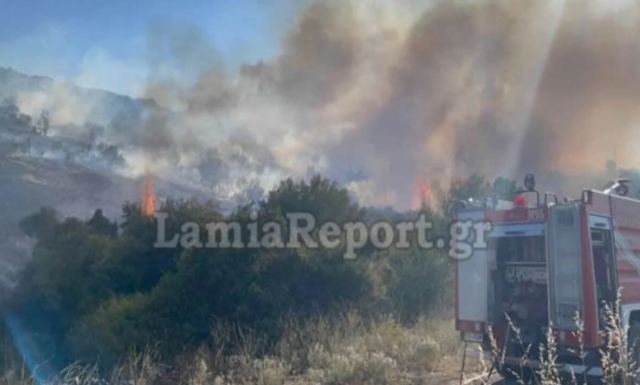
[340, 351]
[346, 350]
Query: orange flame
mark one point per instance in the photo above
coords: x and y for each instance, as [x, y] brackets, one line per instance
[148, 205]
[425, 193]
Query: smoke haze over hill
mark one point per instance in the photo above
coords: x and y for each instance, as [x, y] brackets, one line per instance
[379, 96]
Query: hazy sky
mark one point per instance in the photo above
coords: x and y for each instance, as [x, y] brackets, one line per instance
[105, 44]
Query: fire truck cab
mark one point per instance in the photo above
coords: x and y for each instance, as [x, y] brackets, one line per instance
[549, 264]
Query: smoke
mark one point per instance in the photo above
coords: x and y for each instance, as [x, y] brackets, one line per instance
[380, 95]
[586, 107]
[66, 107]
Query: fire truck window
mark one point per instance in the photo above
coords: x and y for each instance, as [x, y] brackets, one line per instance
[522, 249]
[521, 284]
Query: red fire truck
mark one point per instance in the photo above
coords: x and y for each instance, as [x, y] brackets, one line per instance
[547, 263]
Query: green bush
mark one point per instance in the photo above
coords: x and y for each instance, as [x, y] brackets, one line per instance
[93, 293]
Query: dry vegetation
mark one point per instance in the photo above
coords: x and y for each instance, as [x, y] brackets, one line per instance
[344, 350]
[347, 350]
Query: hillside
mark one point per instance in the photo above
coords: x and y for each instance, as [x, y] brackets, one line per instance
[41, 164]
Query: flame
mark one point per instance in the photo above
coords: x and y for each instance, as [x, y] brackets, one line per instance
[148, 206]
[425, 194]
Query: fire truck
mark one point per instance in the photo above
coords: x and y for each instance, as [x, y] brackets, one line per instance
[547, 264]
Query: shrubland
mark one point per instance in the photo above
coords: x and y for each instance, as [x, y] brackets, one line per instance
[99, 303]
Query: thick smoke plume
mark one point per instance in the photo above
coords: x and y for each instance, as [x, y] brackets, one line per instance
[380, 95]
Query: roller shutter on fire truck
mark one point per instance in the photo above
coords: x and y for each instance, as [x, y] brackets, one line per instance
[472, 281]
[565, 266]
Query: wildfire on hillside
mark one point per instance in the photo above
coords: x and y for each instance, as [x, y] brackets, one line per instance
[424, 194]
[148, 204]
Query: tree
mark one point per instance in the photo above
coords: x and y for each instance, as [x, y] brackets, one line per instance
[41, 224]
[101, 225]
[321, 197]
[463, 192]
[504, 188]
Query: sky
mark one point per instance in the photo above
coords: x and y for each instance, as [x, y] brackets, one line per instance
[65, 38]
